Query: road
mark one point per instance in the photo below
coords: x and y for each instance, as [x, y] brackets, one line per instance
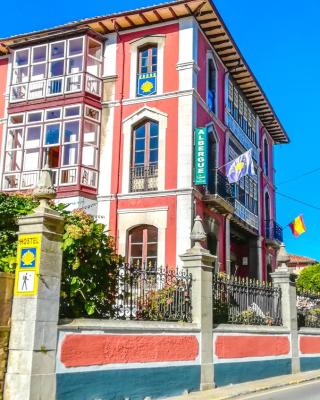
[305, 391]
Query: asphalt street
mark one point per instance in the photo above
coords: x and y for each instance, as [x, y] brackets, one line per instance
[304, 391]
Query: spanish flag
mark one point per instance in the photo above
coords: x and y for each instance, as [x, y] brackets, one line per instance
[297, 226]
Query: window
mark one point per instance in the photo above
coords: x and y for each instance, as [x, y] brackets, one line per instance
[56, 68]
[147, 70]
[144, 161]
[266, 157]
[52, 136]
[246, 190]
[143, 246]
[212, 86]
[240, 110]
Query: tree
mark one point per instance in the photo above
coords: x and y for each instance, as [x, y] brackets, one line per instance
[309, 279]
[89, 268]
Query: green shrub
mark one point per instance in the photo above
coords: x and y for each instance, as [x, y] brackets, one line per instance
[89, 260]
[309, 279]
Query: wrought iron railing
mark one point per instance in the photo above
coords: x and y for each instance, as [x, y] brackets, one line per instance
[308, 309]
[219, 184]
[245, 301]
[273, 230]
[153, 294]
[144, 178]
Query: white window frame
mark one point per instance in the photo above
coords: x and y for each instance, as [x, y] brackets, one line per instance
[92, 119]
[48, 121]
[128, 127]
[72, 116]
[35, 122]
[57, 122]
[15, 114]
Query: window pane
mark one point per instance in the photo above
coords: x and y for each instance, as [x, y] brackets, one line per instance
[153, 129]
[14, 139]
[154, 143]
[52, 156]
[92, 113]
[136, 250]
[38, 72]
[152, 250]
[52, 134]
[153, 156]
[90, 132]
[39, 54]
[137, 235]
[72, 111]
[89, 156]
[22, 57]
[93, 67]
[71, 131]
[70, 154]
[20, 75]
[33, 137]
[53, 114]
[95, 49]
[57, 50]
[31, 159]
[75, 65]
[56, 68]
[35, 117]
[140, 132]
[13, 161]
[152, 234]
[16, 119]
[75, 46]
[140, 144]
[139, 157]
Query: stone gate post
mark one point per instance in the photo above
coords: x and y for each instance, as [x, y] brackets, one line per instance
[33, 340]
[283, 278]
[200, 263]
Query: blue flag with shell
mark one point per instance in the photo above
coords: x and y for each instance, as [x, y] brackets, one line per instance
[241, 166]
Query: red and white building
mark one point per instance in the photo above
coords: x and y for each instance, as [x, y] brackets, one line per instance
[112, 103]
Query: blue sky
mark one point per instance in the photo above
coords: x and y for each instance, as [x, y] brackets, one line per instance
[281, 43]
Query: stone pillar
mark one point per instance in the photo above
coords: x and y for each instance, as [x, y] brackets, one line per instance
[6, 293]
[33, 340]
[228, 244]
[283, 278]
[199, 262]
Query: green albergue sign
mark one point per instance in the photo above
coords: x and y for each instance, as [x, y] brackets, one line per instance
[200, 156]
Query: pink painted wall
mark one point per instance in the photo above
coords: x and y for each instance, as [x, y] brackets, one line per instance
[86, 349]
[251, 346]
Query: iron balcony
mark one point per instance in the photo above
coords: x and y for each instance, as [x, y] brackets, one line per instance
[219, 194]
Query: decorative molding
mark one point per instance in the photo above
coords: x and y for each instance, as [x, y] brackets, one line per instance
[187, 65]
[141, 210]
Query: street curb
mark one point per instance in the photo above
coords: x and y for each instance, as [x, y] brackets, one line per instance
[263, 389]
[233, 391]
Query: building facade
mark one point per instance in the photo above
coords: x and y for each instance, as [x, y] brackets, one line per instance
[112, 104]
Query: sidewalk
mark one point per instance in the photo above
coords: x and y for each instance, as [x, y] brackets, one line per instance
[233, 391]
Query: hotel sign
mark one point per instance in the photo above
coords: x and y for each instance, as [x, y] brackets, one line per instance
[201, 156]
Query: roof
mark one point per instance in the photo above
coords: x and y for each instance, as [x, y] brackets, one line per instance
[213, 27]
[295, 259]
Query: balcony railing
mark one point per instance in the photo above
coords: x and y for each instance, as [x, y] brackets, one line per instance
[65, 176]
[219, 193]
[144, 178]
[273, 231]
[55, 87]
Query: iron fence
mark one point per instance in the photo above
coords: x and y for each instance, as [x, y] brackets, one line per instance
[308, 309]
[245, 301]
[153, 294]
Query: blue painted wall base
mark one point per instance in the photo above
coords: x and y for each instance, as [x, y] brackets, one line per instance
[135, 384]
[309, 363]
[238, 372]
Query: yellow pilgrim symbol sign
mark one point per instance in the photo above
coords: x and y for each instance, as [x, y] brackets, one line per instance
[28, 259]
[147, 87]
